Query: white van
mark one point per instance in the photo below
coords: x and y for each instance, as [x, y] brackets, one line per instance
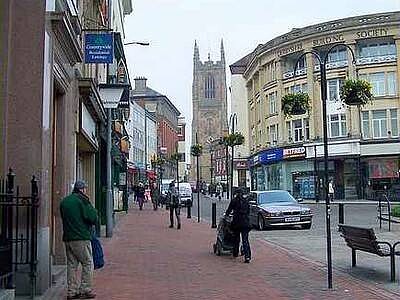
[185, 193]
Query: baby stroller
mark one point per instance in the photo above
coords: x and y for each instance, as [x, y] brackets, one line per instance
[225, 236]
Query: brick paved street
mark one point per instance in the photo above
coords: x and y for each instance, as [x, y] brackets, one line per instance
[147, 260]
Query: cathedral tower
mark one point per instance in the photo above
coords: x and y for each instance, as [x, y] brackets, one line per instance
[209, 105]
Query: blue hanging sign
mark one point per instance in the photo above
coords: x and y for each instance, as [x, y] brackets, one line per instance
[99, 48]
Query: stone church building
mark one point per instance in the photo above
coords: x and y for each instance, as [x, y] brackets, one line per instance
[209, 107]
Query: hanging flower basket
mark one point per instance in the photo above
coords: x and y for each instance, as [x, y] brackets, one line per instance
[295, 104]
[356, 92]
[234, 139]
[196, 149]
[175, 157]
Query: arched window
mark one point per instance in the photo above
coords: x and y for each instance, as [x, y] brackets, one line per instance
[209, 87]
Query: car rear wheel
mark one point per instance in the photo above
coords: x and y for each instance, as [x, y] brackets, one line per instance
[260, 223]
[306, 226]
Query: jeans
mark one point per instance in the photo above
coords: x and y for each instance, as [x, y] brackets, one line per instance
[245, 243]
[79, 252]
[177, 214]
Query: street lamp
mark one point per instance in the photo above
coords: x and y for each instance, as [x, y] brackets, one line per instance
[322, 65]
[232, 122]
[137, 43]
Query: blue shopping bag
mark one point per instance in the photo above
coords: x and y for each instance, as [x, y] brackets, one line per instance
[97, 252]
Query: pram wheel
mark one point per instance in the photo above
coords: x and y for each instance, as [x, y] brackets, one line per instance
[218, 248]
[215, 248]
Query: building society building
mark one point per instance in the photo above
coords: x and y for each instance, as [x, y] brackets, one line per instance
[364, 144]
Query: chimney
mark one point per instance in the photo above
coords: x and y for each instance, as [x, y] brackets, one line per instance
[140, 83]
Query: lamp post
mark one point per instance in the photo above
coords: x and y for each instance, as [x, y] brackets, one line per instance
[232, 121]
[322, 65]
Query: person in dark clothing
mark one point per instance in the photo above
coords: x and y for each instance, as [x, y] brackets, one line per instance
[154, 195]
[140, 195]
[78, 216]
[240, 225]
[174, 205]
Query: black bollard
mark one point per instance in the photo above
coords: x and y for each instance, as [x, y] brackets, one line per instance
[189, 210]
[214, 215]
[341, 213]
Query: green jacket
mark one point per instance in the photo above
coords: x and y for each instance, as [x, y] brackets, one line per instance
[78, 216]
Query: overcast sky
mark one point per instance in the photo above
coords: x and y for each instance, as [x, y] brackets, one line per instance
[171, 26]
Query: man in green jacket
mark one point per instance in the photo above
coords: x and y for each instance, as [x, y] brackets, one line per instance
[78, 216]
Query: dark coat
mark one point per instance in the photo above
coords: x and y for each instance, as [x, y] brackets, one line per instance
[241, 209]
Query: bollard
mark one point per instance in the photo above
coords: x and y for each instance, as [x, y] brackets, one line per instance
[341, 213]
[189, 210]
[214, 215]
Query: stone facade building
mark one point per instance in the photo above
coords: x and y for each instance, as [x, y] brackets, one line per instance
[364, 143]
[209, 106]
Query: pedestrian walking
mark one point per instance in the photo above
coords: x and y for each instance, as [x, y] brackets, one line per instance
[154, 195]
[331, 190]
[141, 195]
[240, 225]
[219, 190]
[174, 205]
[78, 217]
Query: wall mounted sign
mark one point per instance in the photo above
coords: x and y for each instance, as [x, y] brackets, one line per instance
[99, 48]
[294, 152]
[372, 33]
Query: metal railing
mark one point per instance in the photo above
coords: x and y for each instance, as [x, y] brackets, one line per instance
[386, 198]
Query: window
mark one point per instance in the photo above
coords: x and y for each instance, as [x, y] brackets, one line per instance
[338, 54]
[334, 86]
[307, 129]
[273, 134]
[337, 125]
[297, 88]
[209, 87]
[301, 64]
[377, 49]
[383, 84]
[272, 103]
[379, 123]
[391, 83]
[365, 125]
[394, 126]
[289, 131]
[298, 130]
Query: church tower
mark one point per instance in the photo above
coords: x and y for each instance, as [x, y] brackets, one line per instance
[209, 106]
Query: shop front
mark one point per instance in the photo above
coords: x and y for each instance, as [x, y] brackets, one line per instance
[266, 170]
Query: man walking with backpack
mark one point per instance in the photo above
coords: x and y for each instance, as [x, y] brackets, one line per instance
[174, 205]
[240, 225]
[78, 216]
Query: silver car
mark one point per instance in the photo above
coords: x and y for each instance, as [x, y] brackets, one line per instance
[276, 209]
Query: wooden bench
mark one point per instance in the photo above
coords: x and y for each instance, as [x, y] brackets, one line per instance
[364, 239]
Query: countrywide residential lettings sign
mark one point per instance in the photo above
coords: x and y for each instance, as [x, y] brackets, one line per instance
[99, 48]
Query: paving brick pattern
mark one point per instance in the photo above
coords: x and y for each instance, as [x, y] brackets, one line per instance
[147, 260]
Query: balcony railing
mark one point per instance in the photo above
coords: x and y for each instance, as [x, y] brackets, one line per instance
[299, 72]
[376, 59]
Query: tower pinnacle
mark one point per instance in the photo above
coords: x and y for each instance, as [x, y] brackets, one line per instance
[196, 55]
[222, 51]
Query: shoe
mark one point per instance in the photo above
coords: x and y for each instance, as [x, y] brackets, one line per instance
[171, 226]
[76, 296]
[247, 260]
[88, 295]
[179, 226]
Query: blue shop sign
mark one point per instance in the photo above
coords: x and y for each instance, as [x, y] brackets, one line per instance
[99, 48]
[268, 156]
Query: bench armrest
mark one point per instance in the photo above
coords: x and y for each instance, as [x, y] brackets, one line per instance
[391, 248]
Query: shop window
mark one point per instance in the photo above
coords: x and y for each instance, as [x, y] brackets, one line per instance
[365, 125]
[379, 123]
[337, 125]
[394, 126]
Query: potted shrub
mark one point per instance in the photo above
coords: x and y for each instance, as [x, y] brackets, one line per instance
[295, 104]
[356, 92]
[196, 149]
